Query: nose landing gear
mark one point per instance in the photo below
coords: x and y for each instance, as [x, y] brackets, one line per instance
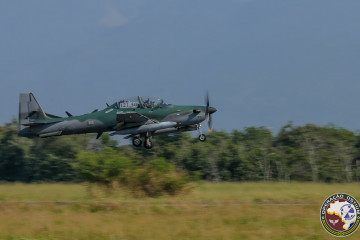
[202, 136]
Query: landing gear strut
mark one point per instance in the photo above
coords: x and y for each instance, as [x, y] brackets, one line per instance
[202, 136]
[148, 143]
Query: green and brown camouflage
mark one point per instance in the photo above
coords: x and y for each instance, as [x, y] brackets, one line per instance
[140, 117]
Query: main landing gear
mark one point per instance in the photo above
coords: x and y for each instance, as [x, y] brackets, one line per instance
[148, 143]
[136, 141]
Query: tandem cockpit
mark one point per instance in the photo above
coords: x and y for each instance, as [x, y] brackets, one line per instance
[143, 102]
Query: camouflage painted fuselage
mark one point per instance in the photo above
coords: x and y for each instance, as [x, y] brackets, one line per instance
[34, 122]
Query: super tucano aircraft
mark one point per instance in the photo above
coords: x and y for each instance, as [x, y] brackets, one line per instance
[140, 118]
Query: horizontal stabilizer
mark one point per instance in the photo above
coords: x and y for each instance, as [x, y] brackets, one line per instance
[69, 114]
[51, 115]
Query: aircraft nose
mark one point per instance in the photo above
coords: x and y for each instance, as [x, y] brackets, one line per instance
[212, 110]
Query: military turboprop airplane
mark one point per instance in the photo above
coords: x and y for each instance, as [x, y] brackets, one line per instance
[138, 118]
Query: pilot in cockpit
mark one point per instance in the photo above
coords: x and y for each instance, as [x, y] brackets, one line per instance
[147, 103]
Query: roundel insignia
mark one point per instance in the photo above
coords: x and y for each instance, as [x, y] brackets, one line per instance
[340, 214]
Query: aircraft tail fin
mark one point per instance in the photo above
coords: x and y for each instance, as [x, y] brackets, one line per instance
[29, 110]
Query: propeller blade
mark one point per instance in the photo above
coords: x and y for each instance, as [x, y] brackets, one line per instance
[207, 99]
[210, 123]
[207, 102]
[208, 113]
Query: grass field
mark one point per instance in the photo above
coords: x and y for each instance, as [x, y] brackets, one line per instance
[208, 211]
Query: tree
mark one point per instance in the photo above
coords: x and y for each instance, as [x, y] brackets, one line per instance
[13, 152]
[259, 143]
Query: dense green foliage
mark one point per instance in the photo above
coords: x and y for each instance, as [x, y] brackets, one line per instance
[111, 167]
[300, 153]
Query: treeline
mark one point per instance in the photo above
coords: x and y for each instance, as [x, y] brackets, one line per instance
[296, 153]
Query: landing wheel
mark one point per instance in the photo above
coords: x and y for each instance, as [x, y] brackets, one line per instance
[136, 141]
[202, 137]
[148, 143]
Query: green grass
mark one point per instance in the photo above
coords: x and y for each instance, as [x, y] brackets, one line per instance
[208, 211]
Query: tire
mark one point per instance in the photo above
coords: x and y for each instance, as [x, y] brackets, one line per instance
[202, 137]
[136, 142]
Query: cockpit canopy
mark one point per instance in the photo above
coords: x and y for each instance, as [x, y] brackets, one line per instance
[142, 102]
